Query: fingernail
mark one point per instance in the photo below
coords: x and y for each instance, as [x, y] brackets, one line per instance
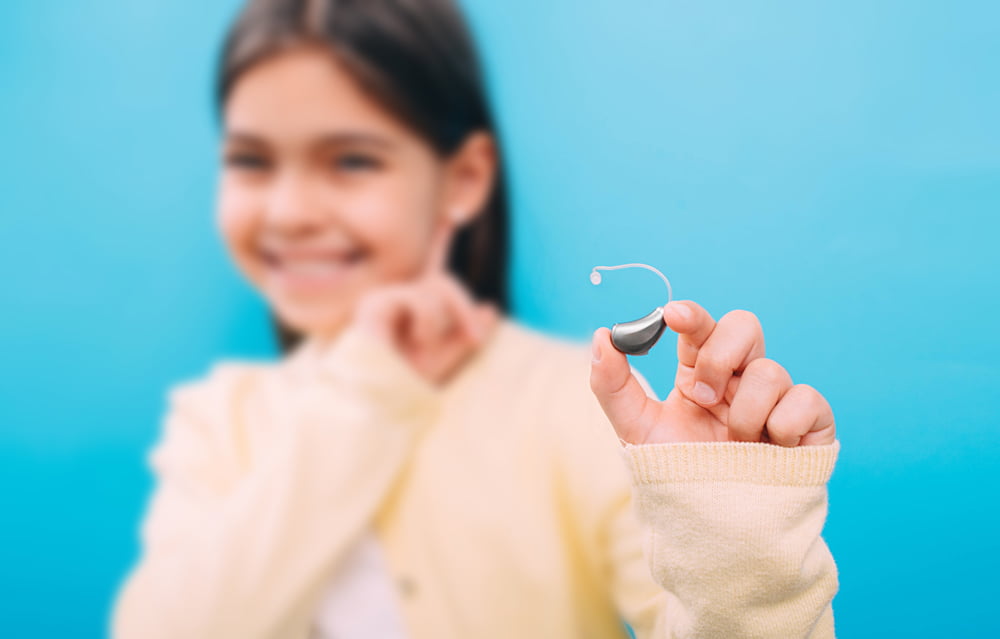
[703, 393]
[681, 311]
[595, 347]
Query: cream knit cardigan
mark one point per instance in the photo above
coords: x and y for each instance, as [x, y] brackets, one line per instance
[504, 502]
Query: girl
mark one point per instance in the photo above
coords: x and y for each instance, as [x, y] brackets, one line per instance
[419, 464]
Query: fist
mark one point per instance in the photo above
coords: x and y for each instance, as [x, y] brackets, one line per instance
[724, 390]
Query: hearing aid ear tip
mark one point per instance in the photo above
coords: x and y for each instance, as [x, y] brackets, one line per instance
[595, 278]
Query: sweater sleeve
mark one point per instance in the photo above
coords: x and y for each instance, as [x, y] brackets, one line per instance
[246, 554]
[733, 537]
[708, 539]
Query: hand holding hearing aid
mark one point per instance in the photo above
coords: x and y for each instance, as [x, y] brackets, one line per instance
[432, 321]
[724, 390]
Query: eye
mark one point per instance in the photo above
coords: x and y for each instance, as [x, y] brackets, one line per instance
[246, 161]
[355, 162]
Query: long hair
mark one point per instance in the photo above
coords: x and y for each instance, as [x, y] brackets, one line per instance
[414, 57]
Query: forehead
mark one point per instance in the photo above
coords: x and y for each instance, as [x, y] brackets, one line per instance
[303, 92]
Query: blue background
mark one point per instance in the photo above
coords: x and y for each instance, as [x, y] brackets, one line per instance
[834, 168]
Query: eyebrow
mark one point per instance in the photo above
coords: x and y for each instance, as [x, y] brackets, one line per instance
[336, 138]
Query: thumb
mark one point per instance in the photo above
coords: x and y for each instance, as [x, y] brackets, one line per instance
[616, 388]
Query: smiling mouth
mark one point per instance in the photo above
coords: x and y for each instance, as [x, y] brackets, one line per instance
[313, 271]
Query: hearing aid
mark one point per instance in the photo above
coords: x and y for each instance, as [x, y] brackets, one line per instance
[638, 336]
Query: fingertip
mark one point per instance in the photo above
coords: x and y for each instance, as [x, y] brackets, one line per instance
[611, 360]
[596, 349]
[676, 313]
[601, 344]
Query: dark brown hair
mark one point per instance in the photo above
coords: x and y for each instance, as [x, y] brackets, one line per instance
[417, 59]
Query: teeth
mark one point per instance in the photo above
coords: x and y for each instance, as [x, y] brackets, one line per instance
[312, 267]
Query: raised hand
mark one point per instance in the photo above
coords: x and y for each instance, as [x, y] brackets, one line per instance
[724, 390]
[433, 320]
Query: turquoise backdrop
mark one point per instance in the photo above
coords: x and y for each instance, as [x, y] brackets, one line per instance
[833, 167]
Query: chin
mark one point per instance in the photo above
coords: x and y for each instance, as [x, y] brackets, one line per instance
[312, 319]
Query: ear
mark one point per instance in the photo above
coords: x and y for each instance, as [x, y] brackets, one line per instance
[470, 174]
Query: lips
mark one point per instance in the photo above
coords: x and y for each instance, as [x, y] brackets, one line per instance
[311, 271]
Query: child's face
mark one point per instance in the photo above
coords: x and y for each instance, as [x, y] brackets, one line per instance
[323, 194]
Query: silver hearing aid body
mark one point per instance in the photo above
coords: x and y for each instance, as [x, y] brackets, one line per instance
[638, 336]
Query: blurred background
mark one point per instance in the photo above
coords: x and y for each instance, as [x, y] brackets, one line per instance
[832, 167]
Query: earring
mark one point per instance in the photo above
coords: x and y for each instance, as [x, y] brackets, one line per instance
[638, 336]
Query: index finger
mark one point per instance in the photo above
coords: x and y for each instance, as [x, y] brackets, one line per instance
[437, 257]
[692, 323]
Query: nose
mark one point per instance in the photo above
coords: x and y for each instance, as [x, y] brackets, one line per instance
[292, 205]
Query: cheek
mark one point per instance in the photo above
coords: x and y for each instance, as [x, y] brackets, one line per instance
[238, 217]
[394, 223]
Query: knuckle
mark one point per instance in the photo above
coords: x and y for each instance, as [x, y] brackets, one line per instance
[781, 427]
[710, 362]
[741, 316]
[811, 392]
[778, 424]
[812, 397]
[768, 371]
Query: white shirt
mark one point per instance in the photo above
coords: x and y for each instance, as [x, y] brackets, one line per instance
[360, 600]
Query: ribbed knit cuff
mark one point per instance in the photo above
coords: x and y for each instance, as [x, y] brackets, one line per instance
[748, 462]
[377, 370]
